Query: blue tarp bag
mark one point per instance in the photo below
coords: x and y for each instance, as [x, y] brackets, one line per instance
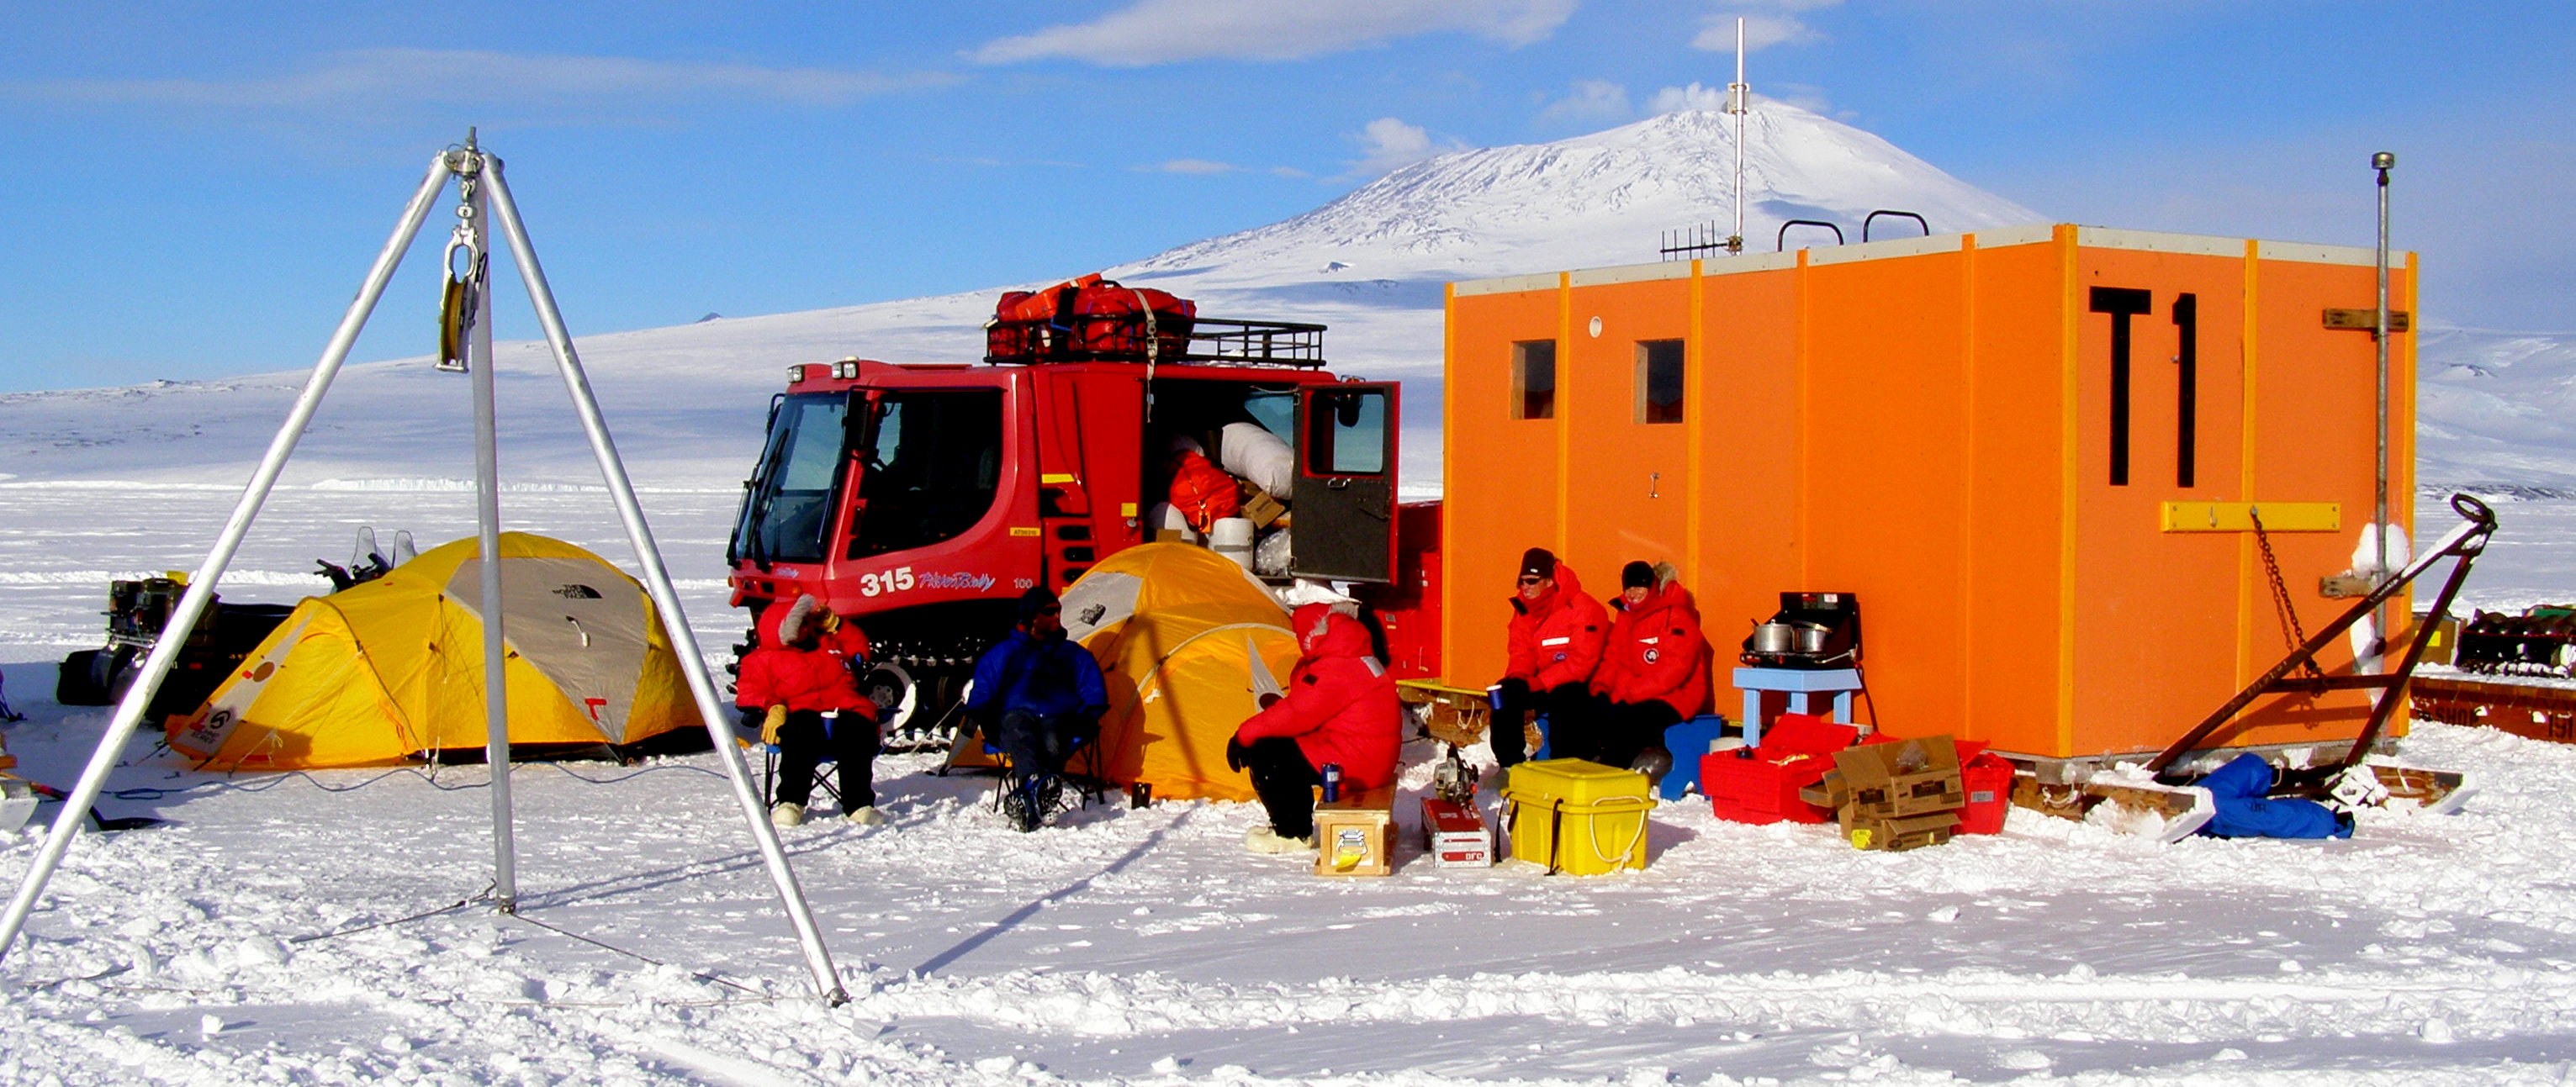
[2237, 789]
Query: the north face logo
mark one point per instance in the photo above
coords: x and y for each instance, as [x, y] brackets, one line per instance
[576, 591]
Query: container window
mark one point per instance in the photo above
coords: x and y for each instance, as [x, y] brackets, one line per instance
[1659, 381]
[1534, 379]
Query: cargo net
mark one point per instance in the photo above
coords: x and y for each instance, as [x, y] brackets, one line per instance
[1176, 338]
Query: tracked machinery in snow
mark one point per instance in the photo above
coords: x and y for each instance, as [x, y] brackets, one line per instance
[2161, 798]
[919, 500]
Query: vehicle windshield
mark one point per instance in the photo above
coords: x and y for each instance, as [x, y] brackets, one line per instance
[934, 463]
[788, 508]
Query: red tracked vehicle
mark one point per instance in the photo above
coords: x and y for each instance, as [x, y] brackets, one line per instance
[922, 499]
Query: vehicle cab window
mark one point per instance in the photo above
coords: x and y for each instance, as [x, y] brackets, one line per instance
[933, 466]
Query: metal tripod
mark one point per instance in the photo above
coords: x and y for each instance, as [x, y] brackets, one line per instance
[468, 346]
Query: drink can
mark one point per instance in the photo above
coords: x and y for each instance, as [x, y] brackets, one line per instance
[1332, 782]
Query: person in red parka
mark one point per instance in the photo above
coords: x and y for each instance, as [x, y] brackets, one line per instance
[1654, 674]
[799, 681]
[1340, 708]
[1556, 637]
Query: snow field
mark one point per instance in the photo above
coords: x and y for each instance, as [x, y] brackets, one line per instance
[1143, 946]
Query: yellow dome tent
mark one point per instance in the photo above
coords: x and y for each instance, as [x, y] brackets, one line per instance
[391, 669]
[1176, 629]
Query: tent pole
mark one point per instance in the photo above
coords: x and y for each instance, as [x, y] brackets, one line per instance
[471, 213]
[201, 587]
[657, 582]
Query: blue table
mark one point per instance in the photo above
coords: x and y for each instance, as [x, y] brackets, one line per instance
[1802, 685]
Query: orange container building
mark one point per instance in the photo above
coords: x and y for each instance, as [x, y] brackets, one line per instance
[2030, 452]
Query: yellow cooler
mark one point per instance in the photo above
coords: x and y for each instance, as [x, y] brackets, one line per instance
[1578, 817]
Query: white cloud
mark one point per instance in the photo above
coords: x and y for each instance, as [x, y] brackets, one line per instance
[380, 77]
[1387, 145]
[1695, 96]
[1766, 23]
[1589, 100]
[1677, 99]
[1165, 31]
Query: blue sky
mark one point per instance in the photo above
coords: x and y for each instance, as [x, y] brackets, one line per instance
[201, 185]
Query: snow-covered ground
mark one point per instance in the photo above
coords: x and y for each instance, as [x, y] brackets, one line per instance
[1144, 946]
[290, 928]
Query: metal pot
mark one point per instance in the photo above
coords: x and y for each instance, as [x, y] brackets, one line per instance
[1811, 637]
[1773, 638]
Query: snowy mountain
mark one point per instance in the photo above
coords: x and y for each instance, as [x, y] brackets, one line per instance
[1589, 201]
[688, 400]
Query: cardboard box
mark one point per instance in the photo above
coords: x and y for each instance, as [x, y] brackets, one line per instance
[1898, 834]
[1355, 836]
[1898, 778]
[1261, 508]
[1829, 792]
[1455, 835]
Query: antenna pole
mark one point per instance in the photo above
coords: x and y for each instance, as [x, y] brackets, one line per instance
[2382, 162]
[1738, 102]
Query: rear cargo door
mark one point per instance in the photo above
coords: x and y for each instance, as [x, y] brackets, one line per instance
[1343, 522]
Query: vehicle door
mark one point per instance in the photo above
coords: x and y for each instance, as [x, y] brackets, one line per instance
[1344, 520]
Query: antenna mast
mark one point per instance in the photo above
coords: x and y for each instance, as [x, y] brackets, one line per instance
[1738, 102]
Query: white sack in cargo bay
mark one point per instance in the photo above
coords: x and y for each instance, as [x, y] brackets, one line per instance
[1252, 452]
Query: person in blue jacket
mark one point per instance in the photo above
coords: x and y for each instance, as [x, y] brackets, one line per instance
[1037, 695]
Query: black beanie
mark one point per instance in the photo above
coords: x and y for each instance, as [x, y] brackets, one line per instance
[1034, 601]
[1538, 561]
[1637, 575]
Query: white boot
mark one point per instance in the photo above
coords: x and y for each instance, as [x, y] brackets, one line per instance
[783, 816]
[1262, 839]
[867, 815]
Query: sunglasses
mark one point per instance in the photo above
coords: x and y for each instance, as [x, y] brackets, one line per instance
[1050, 611]
[1529, 580]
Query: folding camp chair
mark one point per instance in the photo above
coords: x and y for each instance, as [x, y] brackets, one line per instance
[823, 779]
[969, 749]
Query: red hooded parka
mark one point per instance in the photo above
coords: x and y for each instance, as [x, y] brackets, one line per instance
[1340, 706]
[1557, 638]
[817, 679]
[1656, 651]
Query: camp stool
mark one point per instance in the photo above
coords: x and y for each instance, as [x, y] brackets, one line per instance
[1687, 741]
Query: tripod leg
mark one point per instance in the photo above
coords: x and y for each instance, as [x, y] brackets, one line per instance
[201, 587]
[657, 584]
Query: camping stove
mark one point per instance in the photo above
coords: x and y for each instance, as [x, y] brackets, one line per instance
[1811, 630]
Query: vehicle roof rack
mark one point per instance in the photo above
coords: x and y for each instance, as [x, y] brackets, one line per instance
[1121, 337]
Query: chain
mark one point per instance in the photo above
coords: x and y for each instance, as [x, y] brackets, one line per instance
[2290, 624]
